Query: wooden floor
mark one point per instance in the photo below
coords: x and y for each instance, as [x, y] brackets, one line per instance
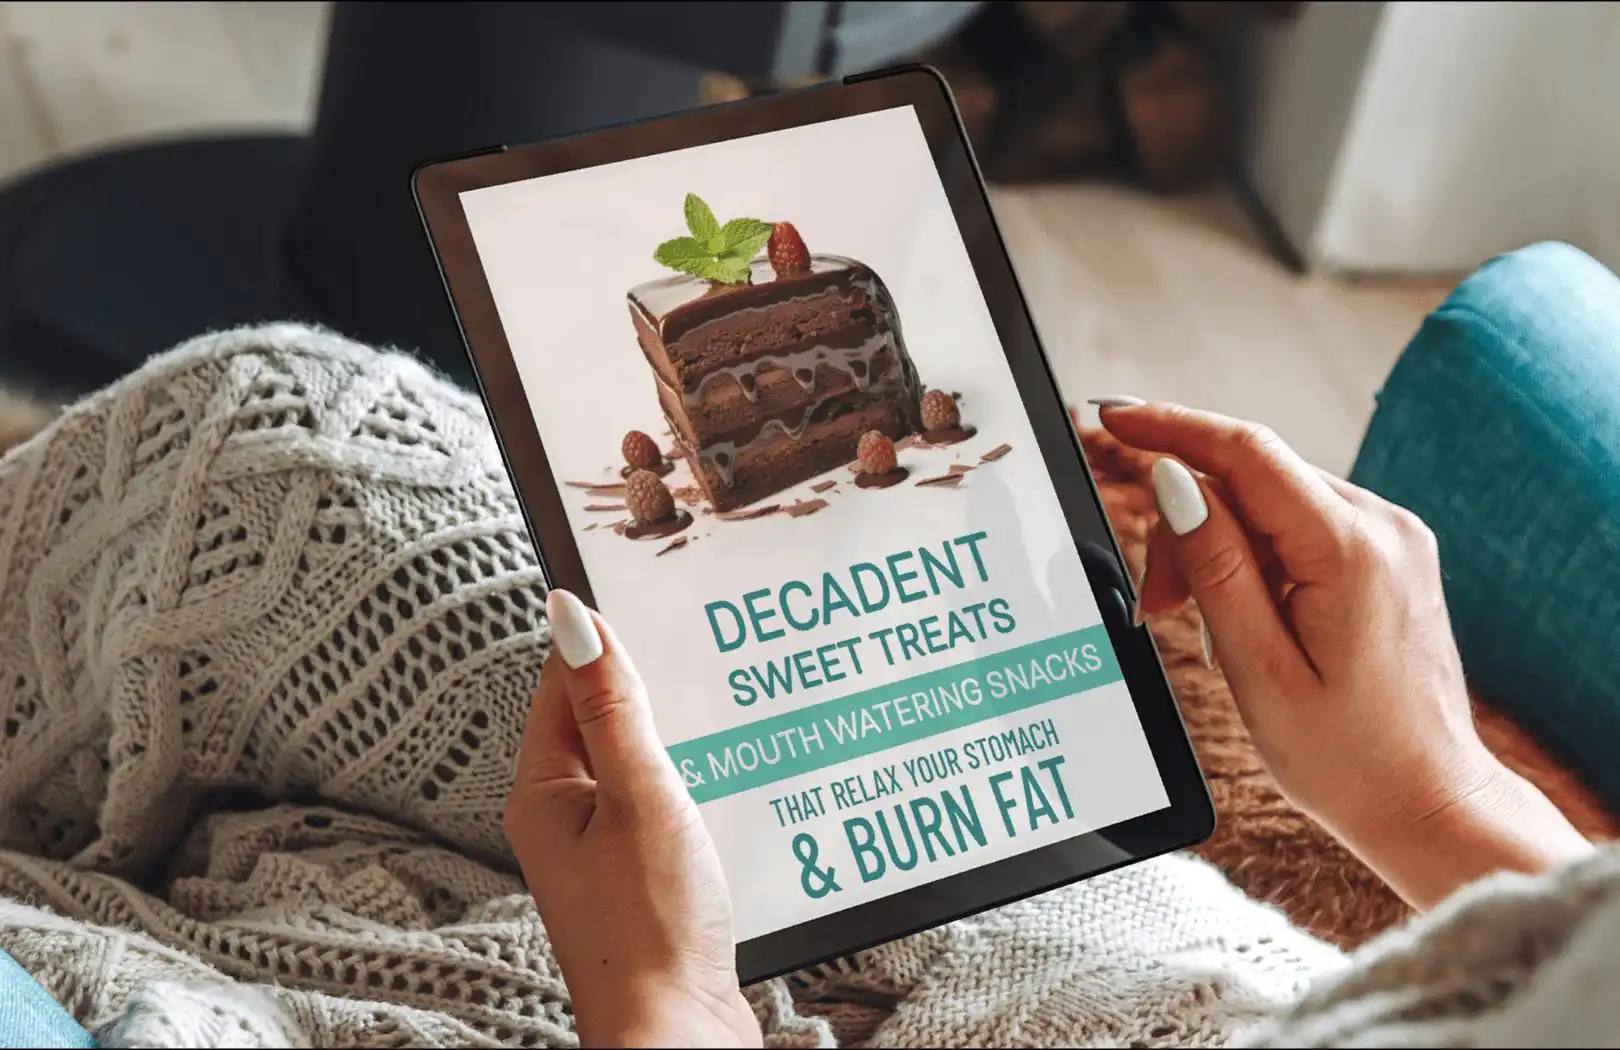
[1162, 298]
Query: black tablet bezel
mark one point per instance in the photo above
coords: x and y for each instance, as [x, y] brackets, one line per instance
[1190, 817]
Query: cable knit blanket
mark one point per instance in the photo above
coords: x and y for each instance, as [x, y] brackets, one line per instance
[268, 628]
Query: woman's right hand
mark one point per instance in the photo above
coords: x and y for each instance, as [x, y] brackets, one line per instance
[1325, 608]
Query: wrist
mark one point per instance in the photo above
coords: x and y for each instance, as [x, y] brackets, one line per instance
[1479, 819]
[670, 1014]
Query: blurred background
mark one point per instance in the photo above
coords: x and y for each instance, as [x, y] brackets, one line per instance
[1248, 206]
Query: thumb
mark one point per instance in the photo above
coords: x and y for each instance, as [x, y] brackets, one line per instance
[609, 703]
[1215, 557]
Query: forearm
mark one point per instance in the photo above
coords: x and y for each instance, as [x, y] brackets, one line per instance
[1501, 822]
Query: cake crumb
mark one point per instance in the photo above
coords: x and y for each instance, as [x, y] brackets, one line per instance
[674, 545]
[995, 453]
[620, 525]
[941, 481]
[960, 468]
[823, 486]
[604, 506]
[905, 442]
[690, 495]
[750, 513]
[804, 507]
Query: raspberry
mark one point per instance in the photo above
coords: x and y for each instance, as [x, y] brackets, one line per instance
[641, 451]
[939, 411]
[876, 453]
[786, 249]
[648, 498]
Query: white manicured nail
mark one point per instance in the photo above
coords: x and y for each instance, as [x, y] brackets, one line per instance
[572, 629]
[1209, 645]
[1116, 401]
[1180, 499]
[1136, 606]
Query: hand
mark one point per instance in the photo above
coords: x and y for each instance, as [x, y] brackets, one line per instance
[1325, 609]
[624, 873]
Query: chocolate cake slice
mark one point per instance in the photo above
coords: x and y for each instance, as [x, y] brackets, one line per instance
[769, 383]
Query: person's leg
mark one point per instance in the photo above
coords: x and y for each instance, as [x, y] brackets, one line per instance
[1500, 427]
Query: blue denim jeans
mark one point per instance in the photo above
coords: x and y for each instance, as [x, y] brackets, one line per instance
[1500, 427]
[29, 1016]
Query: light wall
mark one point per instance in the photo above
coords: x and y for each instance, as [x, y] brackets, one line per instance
[1427, 137]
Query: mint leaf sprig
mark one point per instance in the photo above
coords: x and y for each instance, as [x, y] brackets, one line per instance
[714, 252]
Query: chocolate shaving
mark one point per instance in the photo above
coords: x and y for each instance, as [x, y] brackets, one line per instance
[960, 468]
[803, 507]
[943, 481]
[604, 506]
[823, 486]
[674, 545]
[591, 526]
[905, 442]
[750, 513]
[598, 488]
[995, 453]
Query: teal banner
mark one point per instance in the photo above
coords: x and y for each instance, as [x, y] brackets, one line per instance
[836, 731]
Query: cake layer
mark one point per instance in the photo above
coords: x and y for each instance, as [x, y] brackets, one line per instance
[733, 476]
[779, 386]
[689, 327]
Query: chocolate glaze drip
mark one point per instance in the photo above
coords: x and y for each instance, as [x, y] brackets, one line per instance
[643, 530]
[949, 435]
[882, 481]
[855, 362]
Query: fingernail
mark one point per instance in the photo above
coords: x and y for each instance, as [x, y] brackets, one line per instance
[1209, 646]
[1116, 401]
[1180, 500]
[572, 629]
[1136, 608]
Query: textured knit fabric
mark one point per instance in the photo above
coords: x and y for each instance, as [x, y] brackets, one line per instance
[1509, 961]
[1500, 426]
[28, 1014]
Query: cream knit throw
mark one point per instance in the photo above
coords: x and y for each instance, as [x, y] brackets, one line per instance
[270, 622]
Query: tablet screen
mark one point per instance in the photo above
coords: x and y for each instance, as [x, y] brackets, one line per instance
[809, 499]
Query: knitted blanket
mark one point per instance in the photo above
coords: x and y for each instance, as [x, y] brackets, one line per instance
[269, 625]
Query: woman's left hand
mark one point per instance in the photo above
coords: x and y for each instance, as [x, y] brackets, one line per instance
[624, 873]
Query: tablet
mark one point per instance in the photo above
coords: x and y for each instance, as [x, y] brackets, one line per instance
[773, 402]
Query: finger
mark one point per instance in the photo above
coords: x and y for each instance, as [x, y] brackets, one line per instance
[1274, 491]
[609, 703]
[1161, 588]
[1214, 556]
[552, 748]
